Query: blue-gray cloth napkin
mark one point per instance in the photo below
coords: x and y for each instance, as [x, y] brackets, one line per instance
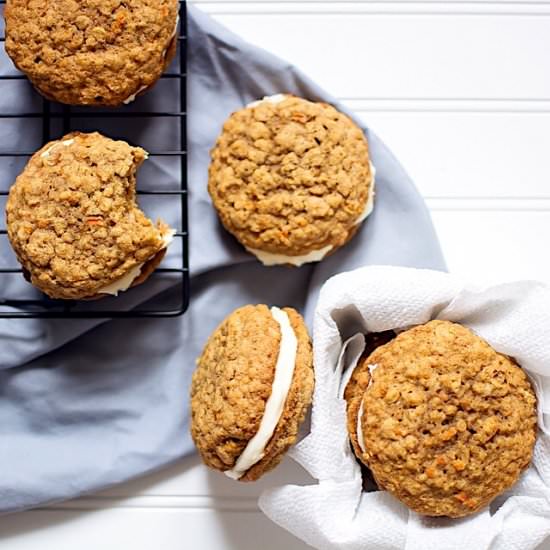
[86, 404]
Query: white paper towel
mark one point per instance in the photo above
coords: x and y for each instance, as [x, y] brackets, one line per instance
[334, 513]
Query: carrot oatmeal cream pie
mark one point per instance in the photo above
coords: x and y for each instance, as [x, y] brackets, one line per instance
[251, 390]
[443, 421]
[73, 221]
[91, 52]
[291, 179]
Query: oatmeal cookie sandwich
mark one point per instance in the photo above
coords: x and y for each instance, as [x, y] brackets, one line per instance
[291, 179]
[443, 421]
[91, 52]
[251, 390]
[74, 223]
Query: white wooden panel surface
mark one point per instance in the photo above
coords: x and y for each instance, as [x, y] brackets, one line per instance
[410, 56]
[496, 244]
[461, 93]
[183, 507]
[145, 529]
[465, 154]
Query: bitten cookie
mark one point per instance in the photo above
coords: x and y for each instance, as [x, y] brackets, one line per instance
[291, 179]
[445, 423]
[91, 52]
[73, 220]
[251, 390]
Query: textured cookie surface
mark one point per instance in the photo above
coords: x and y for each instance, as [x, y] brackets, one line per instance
[290, 177]
[233, 381]
[448, 422]
[73, 220]
[91, 52]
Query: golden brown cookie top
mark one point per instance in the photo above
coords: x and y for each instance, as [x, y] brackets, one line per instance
[72, 216]
[290, 177]
[91, 52]
[448, 422]
[233, 382]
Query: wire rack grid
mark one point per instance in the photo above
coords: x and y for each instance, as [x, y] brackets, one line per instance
[57, 120]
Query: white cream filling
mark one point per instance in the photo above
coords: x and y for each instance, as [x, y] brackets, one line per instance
[271, 258]
[66, 143]
[132, 98]
[277, 98]
[284, 372]
[369, 207]
[173, 35]
[122, 284]
[360, 439]
[125, 282]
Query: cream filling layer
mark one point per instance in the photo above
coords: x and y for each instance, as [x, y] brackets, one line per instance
[360, 439]
[277, 98]
[369, 207]
[132, 98]
[359, 430]
[125, 282]
[271, 258]
[122, 284]
[282, 380]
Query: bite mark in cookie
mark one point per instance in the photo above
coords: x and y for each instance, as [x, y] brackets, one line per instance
[126, 281]
[73, 220]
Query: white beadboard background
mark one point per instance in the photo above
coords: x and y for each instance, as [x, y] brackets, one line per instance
[460, 91]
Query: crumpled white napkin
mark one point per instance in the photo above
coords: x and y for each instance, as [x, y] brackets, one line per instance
[334, 513]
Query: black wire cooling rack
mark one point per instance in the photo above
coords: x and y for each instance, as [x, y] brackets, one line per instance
[52, 121]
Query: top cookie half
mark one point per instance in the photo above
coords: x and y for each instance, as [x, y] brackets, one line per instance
[290, 178]
[446, 422]
[91, 52]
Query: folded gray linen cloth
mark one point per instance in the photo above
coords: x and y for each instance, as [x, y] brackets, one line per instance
[85, 404]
